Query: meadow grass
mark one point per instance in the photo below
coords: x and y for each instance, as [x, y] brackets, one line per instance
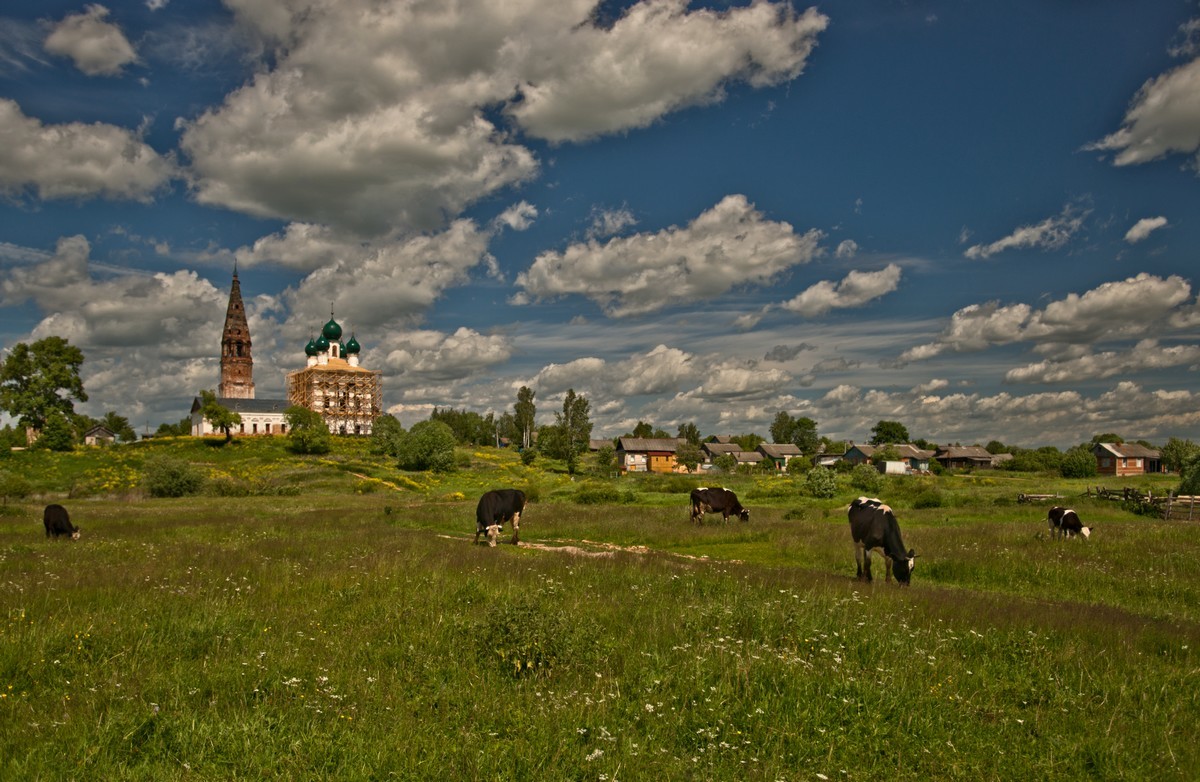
[357, 633]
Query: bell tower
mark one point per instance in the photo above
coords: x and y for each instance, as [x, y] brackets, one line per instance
[237, 367]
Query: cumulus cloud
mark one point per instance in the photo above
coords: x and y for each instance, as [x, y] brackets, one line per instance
[1163, 119]
[1123, 309]
[1143, 228]
[423, 356]
[1050, 234]
[610, 222]
[518, 217]
[1187, 40]
[98, 48]
[581, 373]
[373, 117]
[76, 160]
[728, 245]
[1145, 356]
[662, 369]
[856, 289]
[847, 249]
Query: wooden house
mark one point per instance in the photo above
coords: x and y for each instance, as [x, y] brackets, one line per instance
[961, 457]
[99, 435]
[779, 453]
[1119, 459]
[648, 454]
[914, 458]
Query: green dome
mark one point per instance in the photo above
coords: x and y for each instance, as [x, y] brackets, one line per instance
[332, 330]
[352, 346]
[322, 344]
[341, 349]
[311, 348]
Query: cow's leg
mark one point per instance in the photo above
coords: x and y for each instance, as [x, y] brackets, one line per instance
[516, 522]
[887, 568]
[493, 532]
[863, 558]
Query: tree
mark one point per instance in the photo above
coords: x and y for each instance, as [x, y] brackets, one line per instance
[888, 432]
[307, 431]
[642, 430]
[689, 432]
[386, 435]
[995, 446]
[1189, 475]
[1176, 452]
[781, 427]
[574, 429]
[57, 434]
[748, 442]
[217, 415]
[119, 425]
[1078, 462]
[523, 414]
[40, 379]
[689, 455]
[428, 446]
[606, 459]
[726, 462]
[181, 429]
[804, 435]
[1108, 437]
[821, 483]
[14, 485]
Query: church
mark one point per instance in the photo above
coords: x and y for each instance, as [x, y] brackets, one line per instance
[347, 396]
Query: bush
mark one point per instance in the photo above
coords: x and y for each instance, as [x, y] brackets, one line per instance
[866, 478]
[526, 637]
[307, 431]
[14, 485]
[428, 446]
[528, 456]
[1190, 475]
[1079, 462]
[821, 483]
[799, 465]
[928, 499]
[166, 477]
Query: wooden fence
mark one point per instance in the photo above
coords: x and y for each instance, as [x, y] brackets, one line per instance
[1169, 507]
[1184, 508]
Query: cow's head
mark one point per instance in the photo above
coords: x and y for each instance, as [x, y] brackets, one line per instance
[75, 534]
[493, 534]
[903, 568]
[745, 514]
[1086, 532]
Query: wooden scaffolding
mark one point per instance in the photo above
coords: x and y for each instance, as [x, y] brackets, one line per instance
[349, 398]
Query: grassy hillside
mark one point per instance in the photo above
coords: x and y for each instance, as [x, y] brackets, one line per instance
[337, 623]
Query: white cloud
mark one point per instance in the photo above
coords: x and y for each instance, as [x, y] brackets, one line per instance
[98, 48]
[76, 160]
[1143, 228]
[519, 216]
[1187, 40]
[657, 58]
[1128, 308]
[579, 374]
[662, 369]
[1146, 355]
[432, 356]
[1163, 119]
[856, 289]
[847, 249]
[376, 117]
[730, 244]
[610, 222]
[1050, 234]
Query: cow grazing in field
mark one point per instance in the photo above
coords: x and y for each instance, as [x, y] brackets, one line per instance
[496, 507]
[58, 523]
[873, 525]
[721, 501]
[1065, 522]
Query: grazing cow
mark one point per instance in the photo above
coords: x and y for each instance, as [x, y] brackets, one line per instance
[1065, 522]
[721, 501]
[496, 507]
[873, 525]
[58, 523]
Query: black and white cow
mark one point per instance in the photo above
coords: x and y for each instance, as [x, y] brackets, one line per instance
[58, 523]
[496, 507]
[721, 501]
[873, 525]
[1065, 522]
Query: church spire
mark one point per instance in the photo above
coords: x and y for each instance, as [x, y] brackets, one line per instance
[237, 365]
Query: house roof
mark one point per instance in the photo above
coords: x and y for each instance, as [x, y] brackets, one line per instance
[248, 405]
[1130, 450]
[971, 452]
[668, 444]
[716, 449]
[778, 450]
[748, 457]
[99, 429]
[906, 450]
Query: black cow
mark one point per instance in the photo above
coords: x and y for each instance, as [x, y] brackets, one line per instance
[496, 507]
[873, 525]
[58, 523]
[721, 501]
[1065, 522]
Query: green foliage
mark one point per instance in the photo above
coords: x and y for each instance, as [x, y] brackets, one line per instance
[307, 431]
[889, 432]
[929, 498]
[428, 446]
[726, 463]
[11, 437]
[689, 455]
[748, 442]
[523, 414]
[995, 446]
[798, 465]
[470, 428]
[528, 635]
[888, 453]
[1108, 437]
[690, 432]
[821, 483]
[866, 478]
[1189, 475]
[218, 416]
[1177, 452]
[1046, 459]
[41, 379]
[529, 456]
[165, 476]
[1078, 462]
[181, 429]
[801, 432]
[119, 425]
[572, 429]
[643, 430]
[386, 436]
[14, 486]
[606, 459]
[603, 494]
[57, 433]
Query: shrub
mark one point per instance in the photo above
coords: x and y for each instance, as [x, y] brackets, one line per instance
[799, 465]
[164, 476]
[821, 483]
[1190, 475]
[1079, 462]
[14, 485]
[525, 637]
[307, 431]
[428, 446]
[528, 456]
[866, 478]
[929, 498]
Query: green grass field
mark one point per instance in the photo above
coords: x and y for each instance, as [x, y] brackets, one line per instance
[338, 623]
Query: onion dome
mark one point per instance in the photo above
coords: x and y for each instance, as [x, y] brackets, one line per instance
[311, 348]
[332, 330]
[352, 346]
[341, 349]
[322, 344]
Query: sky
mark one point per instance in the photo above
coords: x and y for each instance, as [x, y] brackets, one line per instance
[979, 219]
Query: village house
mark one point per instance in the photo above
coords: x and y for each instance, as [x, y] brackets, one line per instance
[1119, 459]
[648, 454]
[779, 453]
[913, 458]
[962, 457]
[99, 435]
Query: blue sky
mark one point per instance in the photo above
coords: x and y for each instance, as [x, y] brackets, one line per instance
[978, 219]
